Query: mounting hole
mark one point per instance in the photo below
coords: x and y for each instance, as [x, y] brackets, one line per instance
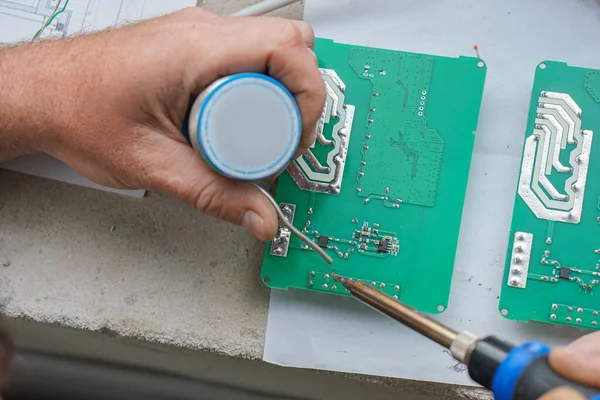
[266, 279]
[543, 66]
[480, 64]
[504, 312]
[441, 308]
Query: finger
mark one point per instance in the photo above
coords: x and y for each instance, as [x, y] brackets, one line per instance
[580, 360]
[196, 14]
[302, 77]
[563, 393]
[298, 153]
[186, 176]
[308, 34]
[274, 46]
[191, 14]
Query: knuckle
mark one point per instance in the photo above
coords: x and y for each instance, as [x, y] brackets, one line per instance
[321, 92]
[209, 200]
[289, 33]
[317, 89]
[195, 13]
[314, 57]
[306, 29]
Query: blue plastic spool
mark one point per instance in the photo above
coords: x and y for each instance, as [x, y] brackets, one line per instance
[246, 126]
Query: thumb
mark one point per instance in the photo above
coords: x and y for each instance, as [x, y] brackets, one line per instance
[189, 178]
[563, 393]
[580, 360]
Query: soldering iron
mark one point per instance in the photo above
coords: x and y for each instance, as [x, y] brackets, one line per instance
[511, 372]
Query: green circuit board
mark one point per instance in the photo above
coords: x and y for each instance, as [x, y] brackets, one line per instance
[383, 187]
[553, 259]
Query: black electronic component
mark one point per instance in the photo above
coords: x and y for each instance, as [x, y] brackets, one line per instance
[383, 246]
[323, 241]
[565, 273]
[356, 234]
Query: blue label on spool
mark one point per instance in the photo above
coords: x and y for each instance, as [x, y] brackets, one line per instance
[246, 126]
[184, 129]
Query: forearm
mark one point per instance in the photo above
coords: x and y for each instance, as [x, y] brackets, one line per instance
[110, 105]
[25, 112]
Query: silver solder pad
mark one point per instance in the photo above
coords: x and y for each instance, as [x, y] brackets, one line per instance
[519, 263]
[281, 243]
[557, 124]
[307, 171]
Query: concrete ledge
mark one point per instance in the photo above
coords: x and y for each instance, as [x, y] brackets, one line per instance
[238, 372]
[165, 275]
[152, 268]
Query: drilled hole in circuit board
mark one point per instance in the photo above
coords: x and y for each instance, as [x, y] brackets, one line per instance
[266, 279]
[480, 64]
[504, 312]
[441, 308]
[543, 66]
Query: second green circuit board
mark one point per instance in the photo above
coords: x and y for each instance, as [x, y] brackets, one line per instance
[383, 187]
[553, 260]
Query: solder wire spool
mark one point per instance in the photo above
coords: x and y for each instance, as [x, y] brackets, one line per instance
[246, 126]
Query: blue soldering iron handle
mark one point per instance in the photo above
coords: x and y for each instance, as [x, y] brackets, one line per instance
[525, 374]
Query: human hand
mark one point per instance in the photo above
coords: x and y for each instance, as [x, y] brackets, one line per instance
[111, 104]
[579, 362]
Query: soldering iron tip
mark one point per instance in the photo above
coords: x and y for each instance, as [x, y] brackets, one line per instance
[344, 281]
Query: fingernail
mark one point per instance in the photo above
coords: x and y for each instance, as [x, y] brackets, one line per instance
[255, 224]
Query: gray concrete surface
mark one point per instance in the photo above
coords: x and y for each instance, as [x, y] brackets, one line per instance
[132, 274]
[165, 273]
[151, 280]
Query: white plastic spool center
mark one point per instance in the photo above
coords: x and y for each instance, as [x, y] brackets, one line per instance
[246, 126]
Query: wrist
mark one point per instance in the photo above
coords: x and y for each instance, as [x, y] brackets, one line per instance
[24, 115]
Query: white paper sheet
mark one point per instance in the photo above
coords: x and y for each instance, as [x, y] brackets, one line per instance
[47, 167]
[311, 330]
[20, 19]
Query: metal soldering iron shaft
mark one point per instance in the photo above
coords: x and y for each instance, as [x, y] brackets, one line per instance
[523, 371]
[400, 312]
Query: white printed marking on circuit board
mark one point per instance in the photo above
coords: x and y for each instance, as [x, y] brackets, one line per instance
[557, 124]
[519, 261]
[307, 171]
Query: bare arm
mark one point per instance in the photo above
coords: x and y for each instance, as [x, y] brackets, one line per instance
[17, 135]
[111, 104]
